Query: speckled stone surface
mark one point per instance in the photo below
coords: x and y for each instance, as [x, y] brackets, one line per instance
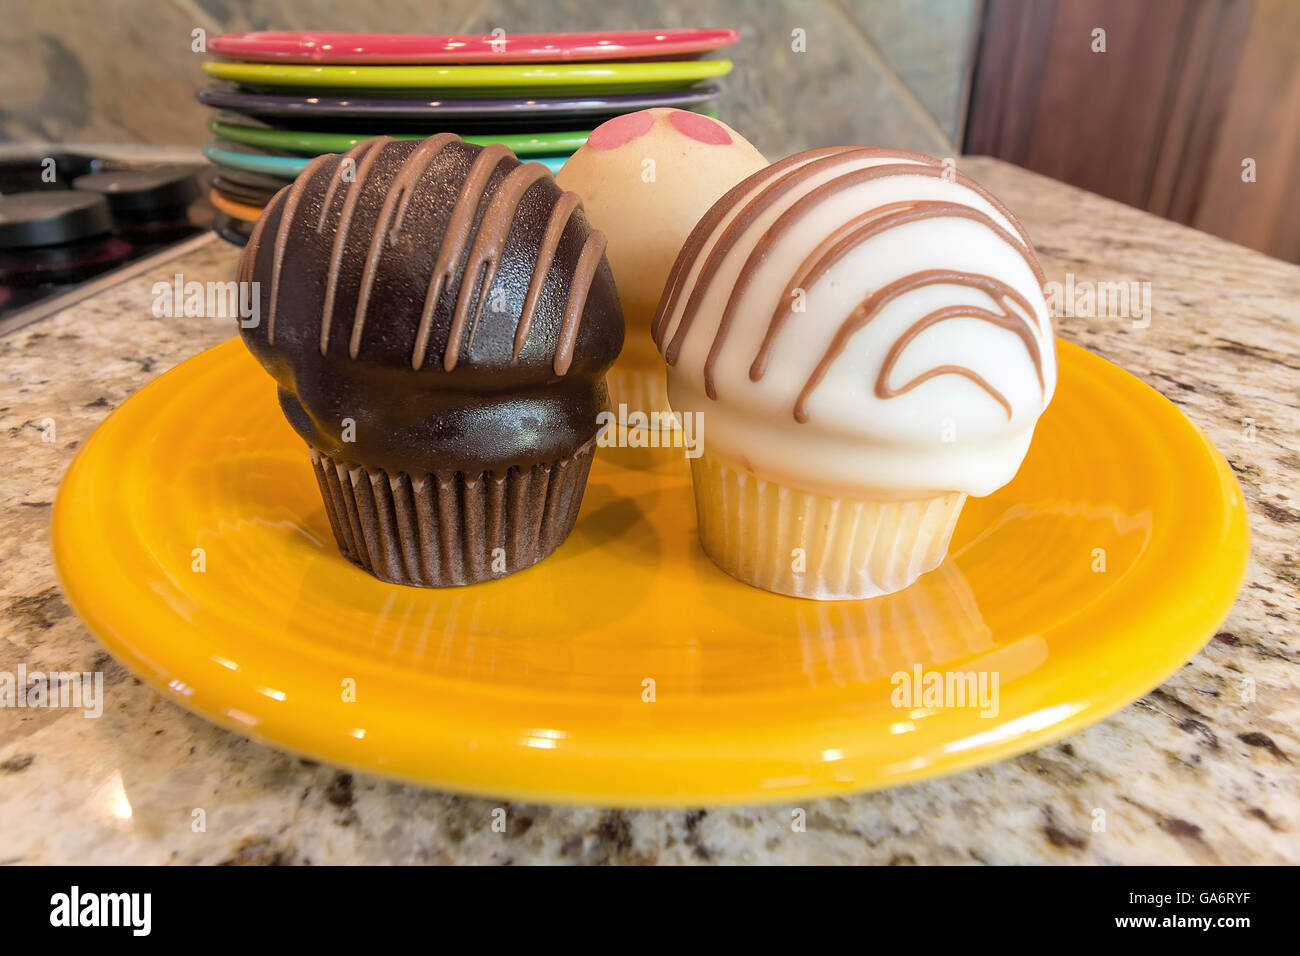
[1191, 773]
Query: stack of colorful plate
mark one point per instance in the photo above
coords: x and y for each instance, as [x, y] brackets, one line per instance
[283, 98]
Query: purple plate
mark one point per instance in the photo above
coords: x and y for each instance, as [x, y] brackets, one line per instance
[497, 111]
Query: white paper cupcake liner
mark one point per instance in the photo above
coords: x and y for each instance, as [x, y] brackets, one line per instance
[807, 545]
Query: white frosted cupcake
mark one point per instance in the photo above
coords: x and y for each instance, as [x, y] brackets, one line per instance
[865, 333]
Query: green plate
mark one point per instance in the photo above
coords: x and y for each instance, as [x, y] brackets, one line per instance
[299, 141]
[287, 167]
[488, 80]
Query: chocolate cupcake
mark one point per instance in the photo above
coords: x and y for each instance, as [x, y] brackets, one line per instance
[439, 318]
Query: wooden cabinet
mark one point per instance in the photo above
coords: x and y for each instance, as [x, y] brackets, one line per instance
[1187, 108]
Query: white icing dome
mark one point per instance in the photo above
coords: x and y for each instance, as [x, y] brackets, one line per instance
[861, 322]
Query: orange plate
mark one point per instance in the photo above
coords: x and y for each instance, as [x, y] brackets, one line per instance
[626, 669]
[233, 207]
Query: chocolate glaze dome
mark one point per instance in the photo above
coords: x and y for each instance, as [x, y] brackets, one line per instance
[450, 301]
[439, 318]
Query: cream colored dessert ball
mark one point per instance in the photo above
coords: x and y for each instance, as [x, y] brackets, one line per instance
[645, 179]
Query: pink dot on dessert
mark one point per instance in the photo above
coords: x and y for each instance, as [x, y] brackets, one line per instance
[700, 128]
[621, 129]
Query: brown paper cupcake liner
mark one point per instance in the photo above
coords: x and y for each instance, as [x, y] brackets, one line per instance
[439, 531]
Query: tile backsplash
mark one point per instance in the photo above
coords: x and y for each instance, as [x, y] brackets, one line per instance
[880, 72]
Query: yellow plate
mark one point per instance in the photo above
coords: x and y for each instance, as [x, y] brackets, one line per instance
[1084, 583]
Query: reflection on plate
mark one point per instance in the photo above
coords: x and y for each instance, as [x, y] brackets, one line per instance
[626, 669]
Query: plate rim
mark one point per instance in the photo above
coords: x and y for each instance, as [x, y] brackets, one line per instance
[253, 45]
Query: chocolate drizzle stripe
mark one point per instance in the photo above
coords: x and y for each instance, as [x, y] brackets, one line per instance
[1001, 320]
[870, 307]
[248, 262]
[450, 250]
[857, 231]
[813, 266]
[1009, 216]
[579, 287]
[555, 225]
[399, 189]
[704, 229]
[920, 209]
[349, 159]
[961, 370]
[736, 229]
[769, 196]
[373, 148]
[282, 236]
[493, 230]
[434, 146]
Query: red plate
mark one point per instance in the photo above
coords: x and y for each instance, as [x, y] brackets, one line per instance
[285, 46]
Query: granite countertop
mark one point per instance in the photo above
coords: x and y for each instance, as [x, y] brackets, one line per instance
[1188, 774]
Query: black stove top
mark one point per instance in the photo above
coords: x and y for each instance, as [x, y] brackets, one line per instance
[69, 217]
